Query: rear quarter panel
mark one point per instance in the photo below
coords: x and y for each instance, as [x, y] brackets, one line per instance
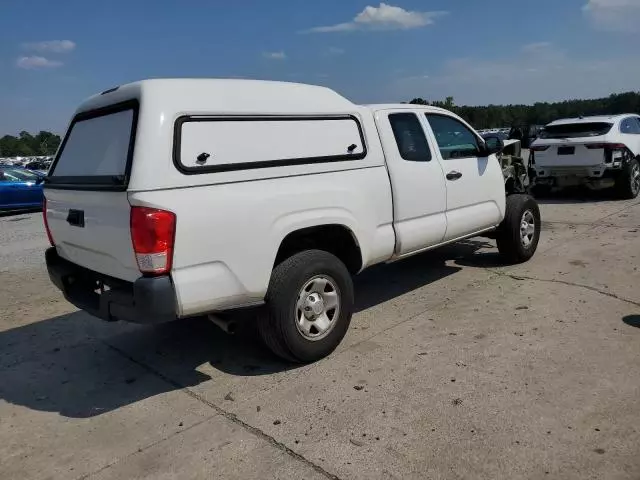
[230, 224]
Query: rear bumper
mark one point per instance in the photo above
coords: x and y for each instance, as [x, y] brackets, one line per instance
[581, 171]
[147, 300]
[596, 177]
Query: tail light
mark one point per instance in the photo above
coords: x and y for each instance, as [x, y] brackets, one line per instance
[540, 148]
[606, 146]
[153, 235]
[46, 222]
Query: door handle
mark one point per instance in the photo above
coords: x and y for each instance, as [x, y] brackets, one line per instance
[453, 175]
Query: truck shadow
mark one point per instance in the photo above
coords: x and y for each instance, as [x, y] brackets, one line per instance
[386, 282]
[80, 367]
[632, 320]
[16, 213]
[575, 195]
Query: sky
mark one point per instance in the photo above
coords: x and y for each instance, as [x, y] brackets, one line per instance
[55, 54]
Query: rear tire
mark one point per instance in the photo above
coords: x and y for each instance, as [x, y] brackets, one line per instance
[309, 306]
[519, 232]
[628, 183]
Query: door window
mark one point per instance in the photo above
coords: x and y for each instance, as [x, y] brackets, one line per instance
[630, 125]
[635, 125]
[454, 139]
[410, 138]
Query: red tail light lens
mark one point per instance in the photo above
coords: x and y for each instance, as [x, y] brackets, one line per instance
[539, 148]
[46, 222]
[606, 146]
[153, 234]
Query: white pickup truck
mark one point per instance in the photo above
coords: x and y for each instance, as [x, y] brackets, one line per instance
[177, 198]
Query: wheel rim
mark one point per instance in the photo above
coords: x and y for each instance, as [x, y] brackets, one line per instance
[317, 308]
[635, 178]
[527, 228]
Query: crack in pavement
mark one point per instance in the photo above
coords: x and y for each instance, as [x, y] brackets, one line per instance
[224, 413]
[571, 284]
[598, 225]
[522, 277]
[588, 224]
[142, 449]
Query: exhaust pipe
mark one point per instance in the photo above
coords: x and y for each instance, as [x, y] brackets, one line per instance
[227, 325]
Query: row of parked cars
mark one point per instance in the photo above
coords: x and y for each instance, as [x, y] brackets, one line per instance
[39, 164]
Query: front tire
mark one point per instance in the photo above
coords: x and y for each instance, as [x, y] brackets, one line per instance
[628, 183]
[519, 232]
[309, 306]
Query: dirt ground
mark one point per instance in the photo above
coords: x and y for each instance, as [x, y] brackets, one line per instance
[455, 367]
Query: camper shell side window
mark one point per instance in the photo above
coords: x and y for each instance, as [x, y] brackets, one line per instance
[208, 144]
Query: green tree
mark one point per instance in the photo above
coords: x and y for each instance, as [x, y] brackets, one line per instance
[539, 113]
[26, 144]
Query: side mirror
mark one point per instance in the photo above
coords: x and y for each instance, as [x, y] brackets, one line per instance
[494, 144]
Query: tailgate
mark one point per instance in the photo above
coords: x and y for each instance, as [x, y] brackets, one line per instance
[92, 229]
[577, 143]
[88, 211]
[569, 155]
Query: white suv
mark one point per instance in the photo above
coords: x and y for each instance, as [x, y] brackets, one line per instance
[175, 198]
[600, 152]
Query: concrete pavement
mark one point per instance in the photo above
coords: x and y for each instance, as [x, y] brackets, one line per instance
[455, 367]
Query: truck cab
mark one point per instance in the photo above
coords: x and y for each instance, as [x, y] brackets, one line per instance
[443, 180]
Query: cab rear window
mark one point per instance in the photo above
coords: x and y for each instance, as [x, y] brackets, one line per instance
[97, 149]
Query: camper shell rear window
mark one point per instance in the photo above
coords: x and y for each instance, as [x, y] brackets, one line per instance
[97, 150]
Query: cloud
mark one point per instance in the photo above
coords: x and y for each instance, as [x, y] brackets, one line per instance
[422, 76]
[548, 74]
[384, 17]
[275, 55]
[335, 51]
[50, 46]
[34, 62]
[536, 47]
[614, 15]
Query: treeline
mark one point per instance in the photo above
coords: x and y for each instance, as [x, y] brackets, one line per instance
[46, 143]
[27, 145]
[540, 113]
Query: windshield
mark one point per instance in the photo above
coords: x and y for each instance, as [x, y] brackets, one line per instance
[16, 174]
[576, 130]
[97, 148]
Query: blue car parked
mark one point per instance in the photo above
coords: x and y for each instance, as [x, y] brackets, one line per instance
[20, 188]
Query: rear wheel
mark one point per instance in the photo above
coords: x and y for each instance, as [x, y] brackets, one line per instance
[519, 232]
[309, 306]
[628, 183]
